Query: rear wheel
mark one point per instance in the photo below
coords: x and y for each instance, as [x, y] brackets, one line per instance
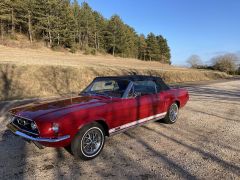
[88, 142]
[172, 114]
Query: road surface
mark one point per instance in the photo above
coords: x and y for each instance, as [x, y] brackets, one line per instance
[203, 144]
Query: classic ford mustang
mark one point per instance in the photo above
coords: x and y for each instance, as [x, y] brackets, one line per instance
[109, 105]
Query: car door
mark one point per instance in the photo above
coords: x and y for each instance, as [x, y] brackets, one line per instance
[123, 113]
[142, 104]
[147, 101]
[128, 111]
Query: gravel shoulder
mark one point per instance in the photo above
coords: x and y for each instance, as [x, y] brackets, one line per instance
[203, 144]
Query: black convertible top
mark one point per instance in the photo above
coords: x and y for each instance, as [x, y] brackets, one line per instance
[160, 83]
[130, 77]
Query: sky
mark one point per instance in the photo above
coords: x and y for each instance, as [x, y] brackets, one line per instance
[206, 28]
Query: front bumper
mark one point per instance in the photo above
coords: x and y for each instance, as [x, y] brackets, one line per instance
[37, 139]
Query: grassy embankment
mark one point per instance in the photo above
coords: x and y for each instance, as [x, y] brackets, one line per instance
[26, 73]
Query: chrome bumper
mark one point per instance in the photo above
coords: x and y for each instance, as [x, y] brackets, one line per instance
[37, 139]
[51, 140]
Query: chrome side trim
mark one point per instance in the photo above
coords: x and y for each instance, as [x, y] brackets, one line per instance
[136, 123]
[50, 140]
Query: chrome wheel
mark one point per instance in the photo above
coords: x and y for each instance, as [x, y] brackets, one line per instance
[173, 112]
[92, 142]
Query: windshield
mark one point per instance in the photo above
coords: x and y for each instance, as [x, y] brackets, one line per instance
[109, 87]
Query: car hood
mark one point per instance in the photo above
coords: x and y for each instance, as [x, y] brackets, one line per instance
[58, 107]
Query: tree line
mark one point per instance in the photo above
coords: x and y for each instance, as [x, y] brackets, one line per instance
[78, 27]
[229, 63]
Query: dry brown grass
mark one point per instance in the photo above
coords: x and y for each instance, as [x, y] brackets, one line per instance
[20, 41]
[42, 72]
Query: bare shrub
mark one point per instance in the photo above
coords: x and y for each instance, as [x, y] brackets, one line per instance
[194, 61]
[225, 63]
[238, 71]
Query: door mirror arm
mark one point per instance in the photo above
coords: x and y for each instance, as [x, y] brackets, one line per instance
[137, 94]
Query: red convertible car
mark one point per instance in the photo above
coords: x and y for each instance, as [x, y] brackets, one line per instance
[109, 105]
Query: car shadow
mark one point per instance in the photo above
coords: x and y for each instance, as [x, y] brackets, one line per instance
[13, 157]
[12, 148]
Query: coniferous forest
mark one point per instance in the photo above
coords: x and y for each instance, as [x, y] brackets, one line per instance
[65, 23]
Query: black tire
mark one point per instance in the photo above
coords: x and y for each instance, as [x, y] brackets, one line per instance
[168, 119]
[80, 146]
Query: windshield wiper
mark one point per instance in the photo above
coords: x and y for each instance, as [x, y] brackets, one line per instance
[102, 94]
[95, 93]
[84, 93]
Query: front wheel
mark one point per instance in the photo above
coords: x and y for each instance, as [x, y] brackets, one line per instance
[89, 142]
[172, 114]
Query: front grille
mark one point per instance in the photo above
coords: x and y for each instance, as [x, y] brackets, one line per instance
[24, 125]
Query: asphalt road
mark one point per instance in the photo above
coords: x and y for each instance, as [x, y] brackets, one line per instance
[203, 144]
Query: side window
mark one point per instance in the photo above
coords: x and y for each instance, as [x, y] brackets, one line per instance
[145, 87]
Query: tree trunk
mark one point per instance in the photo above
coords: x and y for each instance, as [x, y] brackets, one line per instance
[58, 38]
[49, 33]
[30, 26]
[13, 23]
[87, 35]
[50, 38]
[79, 38]
[96, 40]
[113, 53]
[2, 29]
[76, 37]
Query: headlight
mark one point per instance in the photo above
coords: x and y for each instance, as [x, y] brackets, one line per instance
[33, 126]
[55, 127]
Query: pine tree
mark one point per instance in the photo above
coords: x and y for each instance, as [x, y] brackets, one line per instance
[164, 49]
[115, 35]
[76, 25]
[64, 31]
[131, 40]
[54, 19]
[100, 29]
[88, 26]
[153, 50]
[46, 19]
[5, 16]
[142, 47]
[27, 17]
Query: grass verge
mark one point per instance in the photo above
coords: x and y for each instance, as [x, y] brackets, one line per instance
[28, 81]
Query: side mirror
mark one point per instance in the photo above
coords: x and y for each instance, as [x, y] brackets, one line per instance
[137, 94]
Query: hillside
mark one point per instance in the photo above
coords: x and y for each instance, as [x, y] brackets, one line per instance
[78, 27]
[43, 72]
